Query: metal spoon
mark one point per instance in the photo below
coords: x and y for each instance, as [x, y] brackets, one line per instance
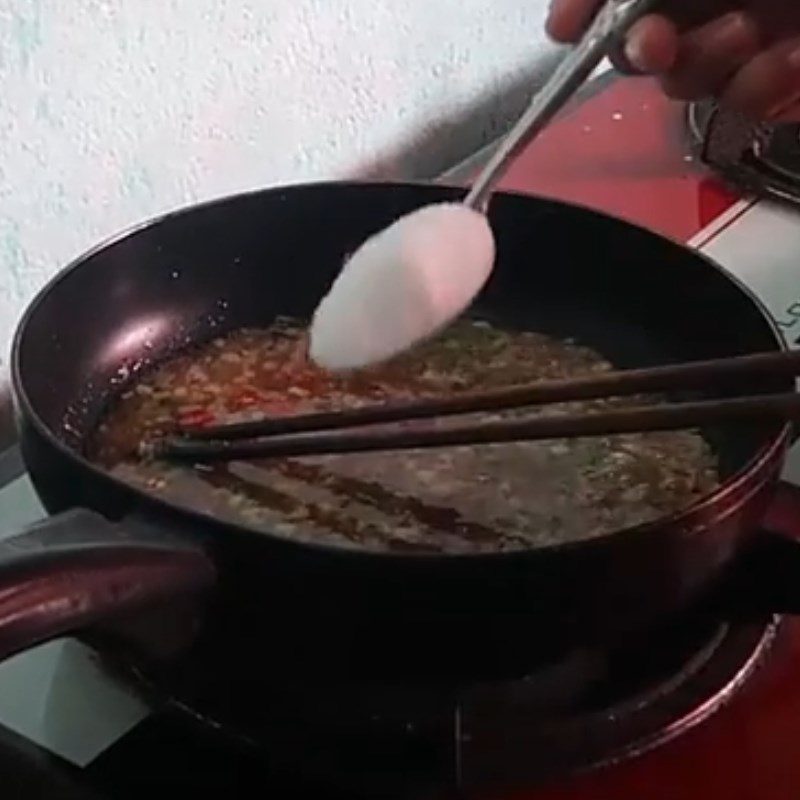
[415, 277]
[609, 27]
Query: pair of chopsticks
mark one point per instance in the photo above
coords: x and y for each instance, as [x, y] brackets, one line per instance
[328, 433]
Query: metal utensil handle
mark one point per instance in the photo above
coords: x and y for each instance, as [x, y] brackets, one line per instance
[612, 22]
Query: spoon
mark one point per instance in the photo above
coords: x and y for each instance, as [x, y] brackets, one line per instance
[411, 280]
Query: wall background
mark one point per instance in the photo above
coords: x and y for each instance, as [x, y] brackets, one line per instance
[114, 110]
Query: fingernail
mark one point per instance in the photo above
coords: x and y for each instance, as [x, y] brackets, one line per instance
[633, 52]
[794, 59]
[731, 23]
[778, 111]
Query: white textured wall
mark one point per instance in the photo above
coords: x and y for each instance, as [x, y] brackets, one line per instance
[113, 110]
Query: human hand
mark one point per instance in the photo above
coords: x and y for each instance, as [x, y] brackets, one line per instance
[746, 53]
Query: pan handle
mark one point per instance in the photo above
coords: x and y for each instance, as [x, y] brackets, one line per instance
[77, 569]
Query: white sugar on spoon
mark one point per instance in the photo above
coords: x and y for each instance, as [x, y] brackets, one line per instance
[412, 279]
[403, 285]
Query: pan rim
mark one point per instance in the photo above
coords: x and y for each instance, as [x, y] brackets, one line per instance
[689, 518]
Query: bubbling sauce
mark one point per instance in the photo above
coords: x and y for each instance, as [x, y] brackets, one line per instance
[467, 499]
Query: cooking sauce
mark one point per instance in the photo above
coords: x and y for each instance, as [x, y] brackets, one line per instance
[455, 500]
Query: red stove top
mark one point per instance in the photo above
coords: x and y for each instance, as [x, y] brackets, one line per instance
[626, 151]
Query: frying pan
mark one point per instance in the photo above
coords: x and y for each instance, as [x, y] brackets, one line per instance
[155, 585]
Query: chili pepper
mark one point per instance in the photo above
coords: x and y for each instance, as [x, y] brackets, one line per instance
[246, 398]
[197, 418]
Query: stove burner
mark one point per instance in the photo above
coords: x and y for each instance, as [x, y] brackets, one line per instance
[757, 159]
[618, 720]
[589, 710]
[782, 152]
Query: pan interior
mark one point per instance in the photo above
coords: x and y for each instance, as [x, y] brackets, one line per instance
[637, 299]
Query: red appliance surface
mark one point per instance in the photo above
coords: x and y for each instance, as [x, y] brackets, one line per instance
[625, 151]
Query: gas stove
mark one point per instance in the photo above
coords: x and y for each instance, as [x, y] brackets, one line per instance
[758, 159]
[709, 708]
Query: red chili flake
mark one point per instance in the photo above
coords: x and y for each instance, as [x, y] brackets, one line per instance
[246, 398]
[197, 418]
[277, 408]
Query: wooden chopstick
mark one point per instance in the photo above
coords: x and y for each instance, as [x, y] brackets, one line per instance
[765, 408]
[676, 377]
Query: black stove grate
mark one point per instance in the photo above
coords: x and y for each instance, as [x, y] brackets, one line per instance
[591, 709]
[754, 158]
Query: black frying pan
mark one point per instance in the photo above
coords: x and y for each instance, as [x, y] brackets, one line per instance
[111, 561]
